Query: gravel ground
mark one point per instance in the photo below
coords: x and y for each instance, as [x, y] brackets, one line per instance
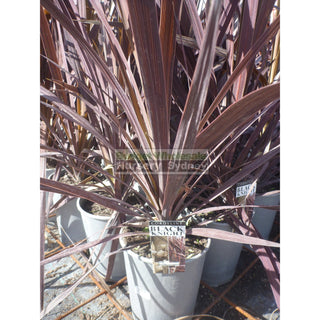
[252, 293]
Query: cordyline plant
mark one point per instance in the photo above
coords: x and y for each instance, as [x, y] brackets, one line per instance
[154, 77]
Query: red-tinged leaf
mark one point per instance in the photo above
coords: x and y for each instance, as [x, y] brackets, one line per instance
[167, 32]
[71, 115]
[222, 208]
[143, 19]
[188, 126]
[98, 63]
[247, 26]
[50, 51]
[217, 156]
[98, 108]
[76, 55]
[231, 236]
[82, 7]
[255, 135]
[264, 11]
[198, 31]
[243, 173]
[111, 178]
[237, 115]
[58, 136]
[195, 20]
[254, 18]
[144, 24]
[267, 136]
[112, 203]
[227, 15]
[128, 76]
[268, 34]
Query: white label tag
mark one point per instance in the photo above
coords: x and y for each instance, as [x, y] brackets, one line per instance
[167, 230]
[242, 191]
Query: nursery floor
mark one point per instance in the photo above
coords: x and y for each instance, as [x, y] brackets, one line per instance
[249, 298]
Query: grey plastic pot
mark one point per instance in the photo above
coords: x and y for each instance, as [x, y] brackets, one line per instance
[222, 258]
[69, 222]
[157, 296]
[68, 219]
[93, 227]
[263, 218]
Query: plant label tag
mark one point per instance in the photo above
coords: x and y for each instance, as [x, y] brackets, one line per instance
[244, 189]
[245, 195]
[167, 239]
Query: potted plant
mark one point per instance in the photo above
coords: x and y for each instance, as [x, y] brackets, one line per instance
[95, 220]
[71, 145]
[62, 144]
[154, 111]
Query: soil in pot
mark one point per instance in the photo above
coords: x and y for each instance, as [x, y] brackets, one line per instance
[96, 209]
[158, 296]
[193, 245]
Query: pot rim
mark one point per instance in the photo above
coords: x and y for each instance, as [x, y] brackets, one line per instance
[269, 193]
[90, 215]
